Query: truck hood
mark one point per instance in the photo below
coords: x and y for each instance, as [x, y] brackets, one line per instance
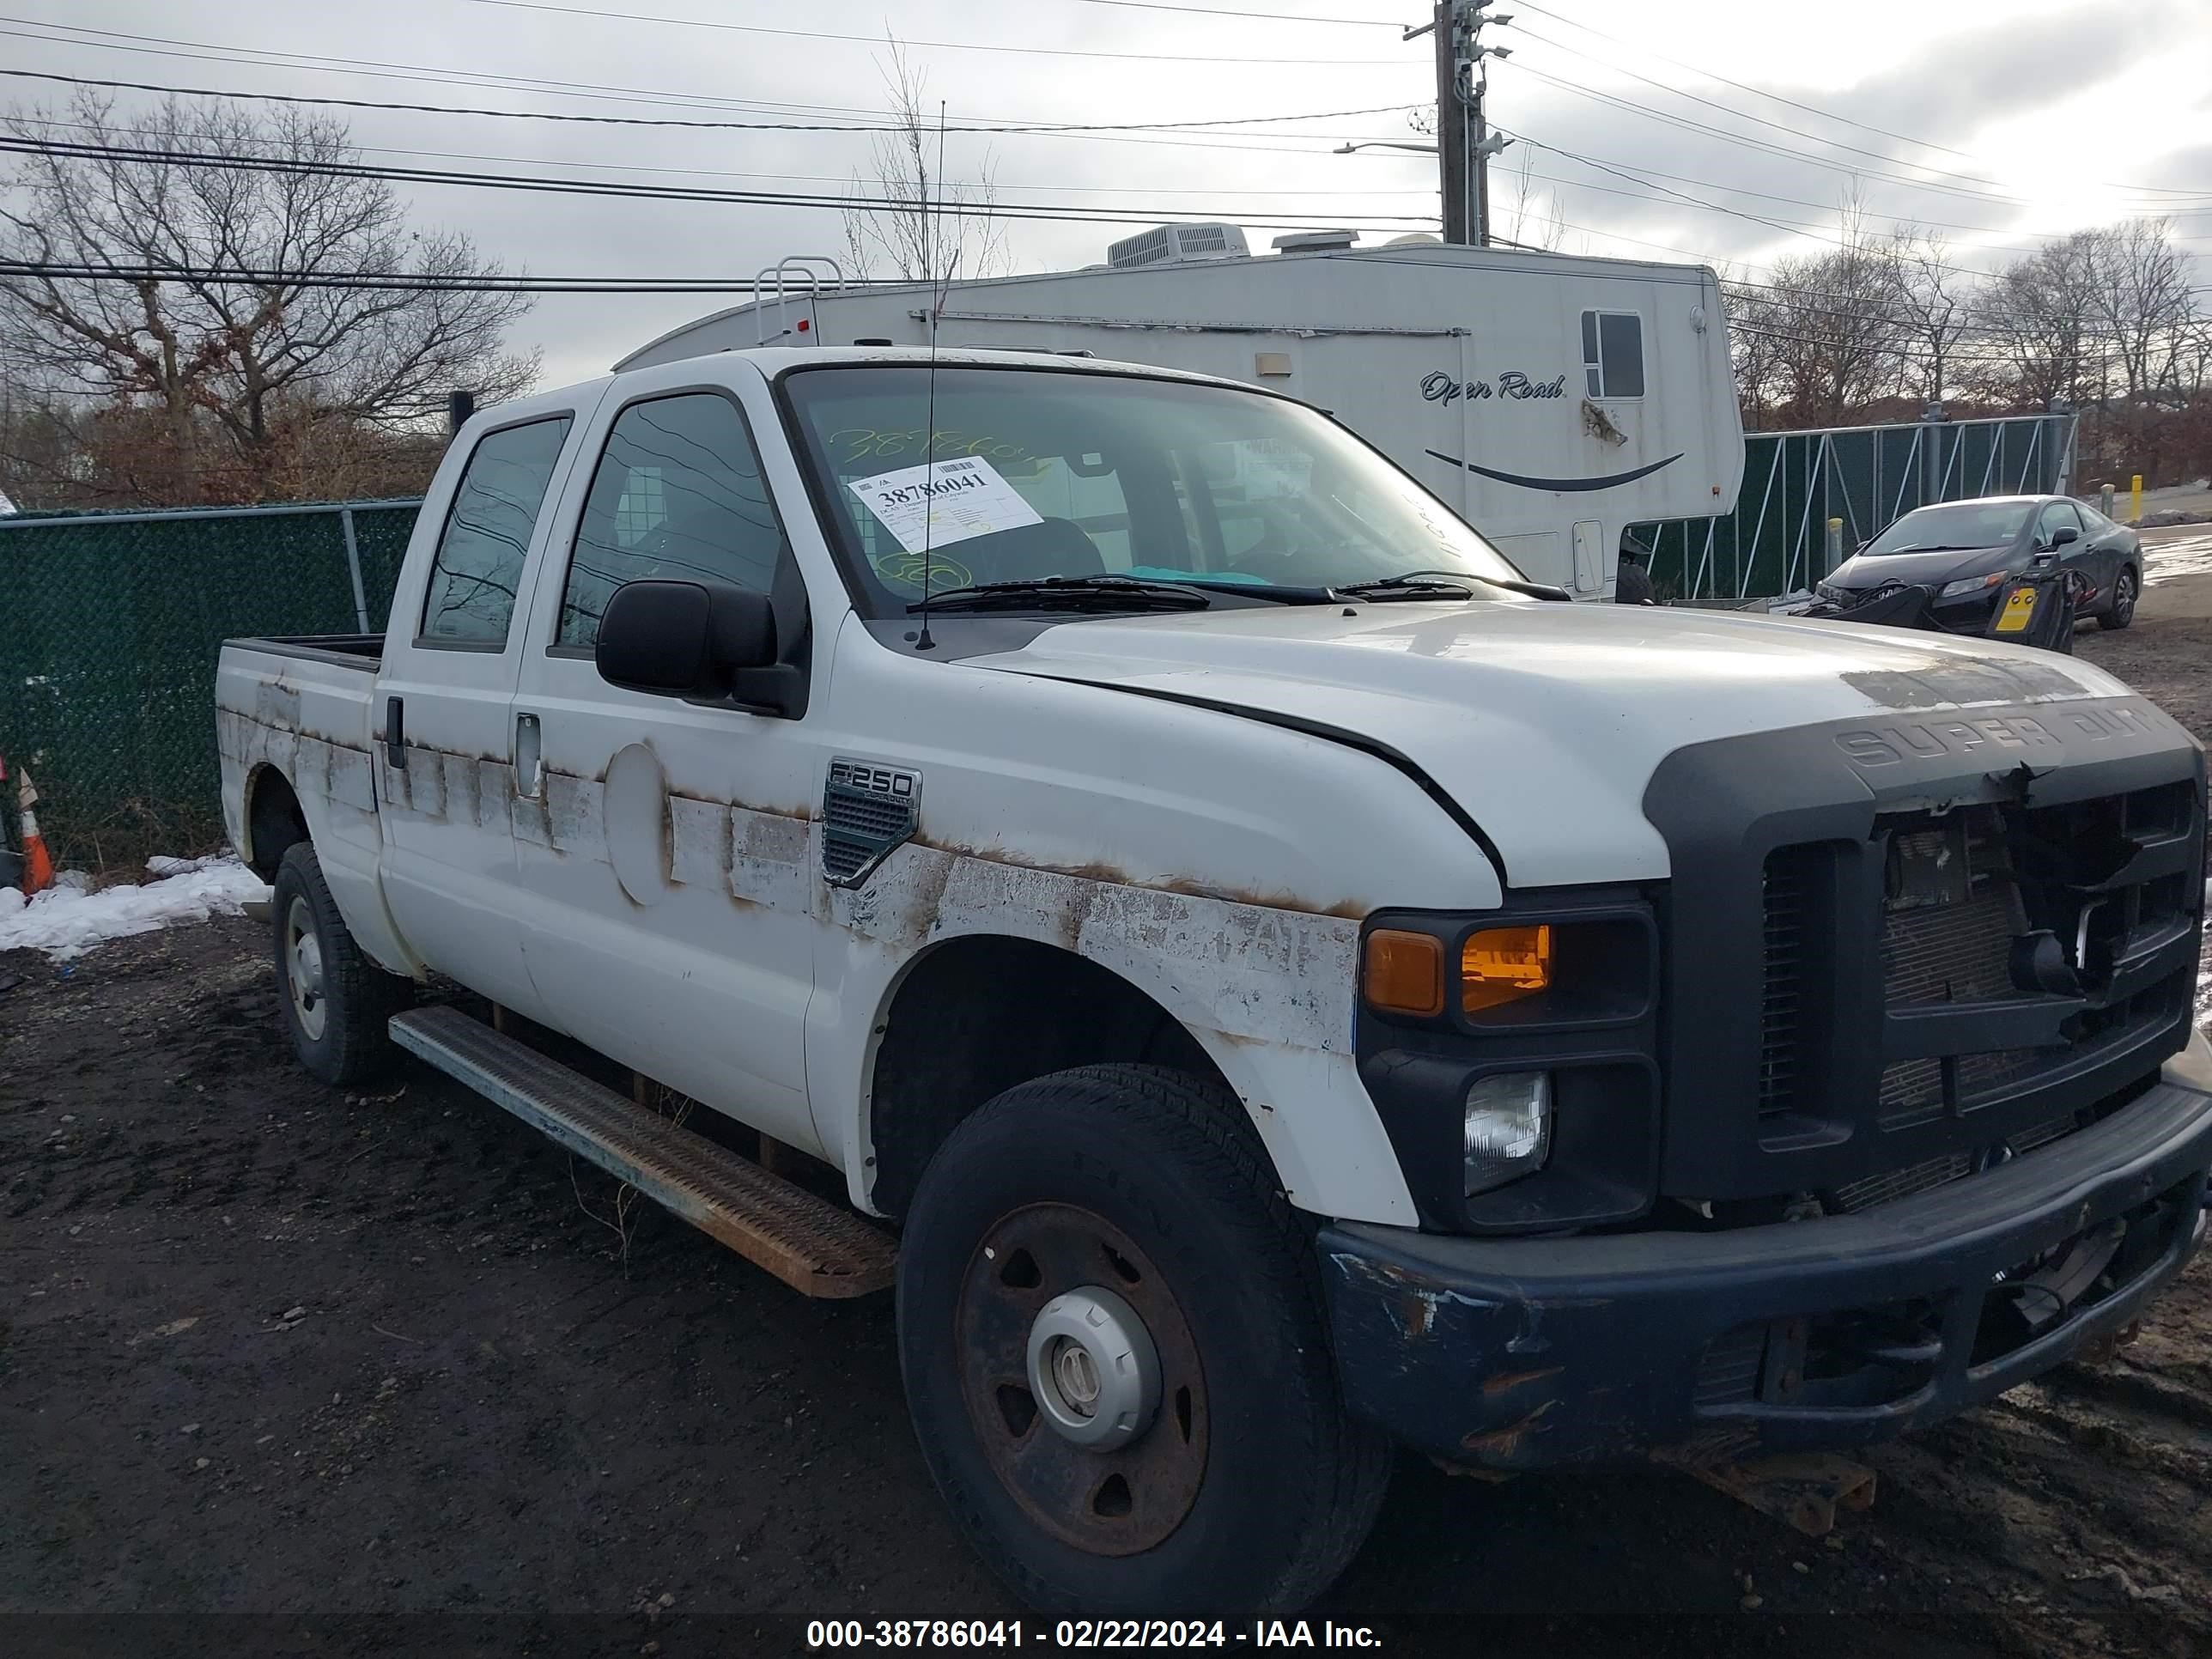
[1544, 722]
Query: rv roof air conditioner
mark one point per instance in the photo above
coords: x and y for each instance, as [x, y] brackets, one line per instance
[1177, 244]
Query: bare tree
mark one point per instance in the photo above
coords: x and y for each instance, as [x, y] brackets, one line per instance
[1936, 301]
[905, 219]
[1831, 335]
[1751, 346]
[2143, 302]
[1536, 219]
[249, 376]
[2040, 316]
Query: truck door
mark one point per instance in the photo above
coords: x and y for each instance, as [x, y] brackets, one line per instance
[667, 875]
[445, 768]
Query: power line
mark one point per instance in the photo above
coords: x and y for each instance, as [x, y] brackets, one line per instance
[941, 45]
[1744, 115]
[1639, 171]
[724, 172]
[1263, 16]
[1815, 233]
[571, 186]
[394, 282]
[1746, 141]
[193, 51]
[1792, 103]
[658, 121]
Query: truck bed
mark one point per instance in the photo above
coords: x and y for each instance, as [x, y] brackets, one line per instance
[360, 650]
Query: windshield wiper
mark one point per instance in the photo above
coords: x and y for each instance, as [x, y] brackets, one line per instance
[1069, 593]
[1432, 584]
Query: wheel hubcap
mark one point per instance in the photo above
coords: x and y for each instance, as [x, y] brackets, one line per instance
[303, 969]
[1093, 1369]
[1082, 1380]
[2124, 602]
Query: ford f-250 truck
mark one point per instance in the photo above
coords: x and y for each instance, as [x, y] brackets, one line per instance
[1285, 1001]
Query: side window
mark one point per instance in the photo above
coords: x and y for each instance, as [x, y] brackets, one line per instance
[1612, 353]
[2058, 515]
[678, 492]
[477, 567]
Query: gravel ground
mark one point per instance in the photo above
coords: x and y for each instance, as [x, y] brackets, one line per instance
[302, 1371]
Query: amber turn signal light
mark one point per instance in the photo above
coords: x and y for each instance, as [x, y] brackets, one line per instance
[1405, 973]
[1503, 964]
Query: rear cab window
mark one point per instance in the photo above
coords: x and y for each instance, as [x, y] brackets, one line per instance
[477, 570]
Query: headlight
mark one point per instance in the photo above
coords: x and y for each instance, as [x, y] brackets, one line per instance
[1508, 1127]
[1967, 585]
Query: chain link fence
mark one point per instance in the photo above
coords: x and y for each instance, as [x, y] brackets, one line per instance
[110, 625]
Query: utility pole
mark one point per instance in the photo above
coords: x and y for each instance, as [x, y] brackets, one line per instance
[1464, 141]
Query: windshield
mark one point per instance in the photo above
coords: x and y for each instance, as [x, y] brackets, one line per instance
[1955, 523]
[1040, 474]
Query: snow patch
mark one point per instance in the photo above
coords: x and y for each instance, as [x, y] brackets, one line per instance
[2185, 556]
[69, 919]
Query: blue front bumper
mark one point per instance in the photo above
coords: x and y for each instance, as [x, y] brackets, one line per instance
[1821, 1335]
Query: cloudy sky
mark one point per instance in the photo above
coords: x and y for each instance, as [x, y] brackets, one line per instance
[1995, 121]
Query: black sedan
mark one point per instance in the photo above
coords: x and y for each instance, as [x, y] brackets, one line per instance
[1965, 550]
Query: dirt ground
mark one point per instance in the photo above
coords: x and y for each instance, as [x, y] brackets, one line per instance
[286, 1370]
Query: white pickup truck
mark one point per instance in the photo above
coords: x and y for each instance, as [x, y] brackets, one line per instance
[1263, 1006]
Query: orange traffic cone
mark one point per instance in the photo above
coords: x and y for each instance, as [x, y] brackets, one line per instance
[37, 863]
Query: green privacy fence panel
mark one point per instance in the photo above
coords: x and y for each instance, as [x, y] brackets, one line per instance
[110, 625]
[1776, 541]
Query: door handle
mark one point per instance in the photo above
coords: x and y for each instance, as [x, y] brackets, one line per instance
[395, 734]
[529, 757]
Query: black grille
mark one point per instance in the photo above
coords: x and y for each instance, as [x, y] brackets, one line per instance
[1785, 898]
[2061, 937]
[1957, 951]
[1933, 1172]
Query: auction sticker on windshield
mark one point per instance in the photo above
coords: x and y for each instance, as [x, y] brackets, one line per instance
[943, 502]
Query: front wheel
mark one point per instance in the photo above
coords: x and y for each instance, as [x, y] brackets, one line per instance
[1114, 1351]
[336, 1001]
[2122, 611]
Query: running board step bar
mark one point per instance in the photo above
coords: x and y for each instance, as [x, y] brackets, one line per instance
[811, 1245]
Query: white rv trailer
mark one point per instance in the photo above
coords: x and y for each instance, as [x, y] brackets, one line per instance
[1555, 400]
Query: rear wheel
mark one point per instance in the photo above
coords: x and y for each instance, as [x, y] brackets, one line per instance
[336, 1001]
[2122, 611]
[1113, 1350]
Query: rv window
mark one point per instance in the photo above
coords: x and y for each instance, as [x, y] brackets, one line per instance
[1612, 353]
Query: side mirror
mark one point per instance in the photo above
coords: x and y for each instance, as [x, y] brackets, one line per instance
[685, 639]
[2063, 534]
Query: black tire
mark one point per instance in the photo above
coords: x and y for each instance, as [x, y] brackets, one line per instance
[2122, 611]
[348, 1043]
[1285, 1484]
